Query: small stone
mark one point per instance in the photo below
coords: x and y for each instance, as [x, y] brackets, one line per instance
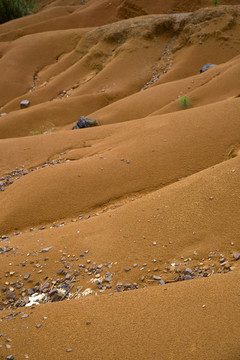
[27, 276]
[154, 243]
[88, 322]
[69, 350]
[203, 306]
[161, 282]
[10, 295]
[155, 277]
[24, 104]
[56, 297]
[45, 249]
[236, 256]
[10, 357]
[24, 316]
[38, 326]
[127, 269]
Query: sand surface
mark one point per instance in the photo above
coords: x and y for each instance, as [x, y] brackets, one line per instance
[128, 231]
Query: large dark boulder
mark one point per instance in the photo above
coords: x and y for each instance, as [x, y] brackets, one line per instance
[205, 67]
[84, 122]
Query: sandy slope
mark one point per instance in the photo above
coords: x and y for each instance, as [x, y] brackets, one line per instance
[152, 193]
[158, 323]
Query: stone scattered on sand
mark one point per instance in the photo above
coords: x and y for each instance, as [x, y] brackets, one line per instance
[3, 114]
[10, 357]
[24, 104]
[45, 249]
[206, 67]
[236, 256]
[84, 122]
[10, 295]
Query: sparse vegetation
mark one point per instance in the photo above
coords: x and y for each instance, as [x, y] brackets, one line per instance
[215, 2]
[13, 9]
[44, 129]
[184, 102]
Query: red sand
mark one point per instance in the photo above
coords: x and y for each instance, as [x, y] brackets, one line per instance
[160, 184]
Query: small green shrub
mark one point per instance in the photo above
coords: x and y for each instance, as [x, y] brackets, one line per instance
[215, 2]
[13, 9]
[184, 102]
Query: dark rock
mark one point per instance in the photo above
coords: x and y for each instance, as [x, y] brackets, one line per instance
[155, 277]
[10, 357]
[187, 277]
[56, 297]
[53, 291]
[30, 292]
[84, 122]
[236, 256]
[127, 269]
[88, 322]
[205, 67]
[60, 271]
[26, 276]
[4, 288]
[10, 295]
[24, 104]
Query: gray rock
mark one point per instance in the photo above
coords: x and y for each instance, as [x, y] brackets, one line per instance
[24, 316]
[56, 297]
[24, 104]
[45, 249]
[187, 277]
[205, 67]
[10, 295]
[236, 256]
[3, 114]
[155, 277]
[26, 276]
[84, 122]
[10, 357]
[161, 282]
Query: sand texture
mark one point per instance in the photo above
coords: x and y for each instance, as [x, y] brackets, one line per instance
[120, 241]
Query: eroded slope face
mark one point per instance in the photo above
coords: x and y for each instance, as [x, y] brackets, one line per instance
[70, 73]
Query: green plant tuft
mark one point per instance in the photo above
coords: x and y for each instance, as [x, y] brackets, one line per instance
[13, 9]
[215, 2]
[184, 102]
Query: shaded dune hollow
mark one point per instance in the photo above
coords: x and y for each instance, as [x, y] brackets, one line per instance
[119, 181]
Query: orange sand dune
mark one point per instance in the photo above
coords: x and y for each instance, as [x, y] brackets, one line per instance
[105, 225]
[160, 150]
